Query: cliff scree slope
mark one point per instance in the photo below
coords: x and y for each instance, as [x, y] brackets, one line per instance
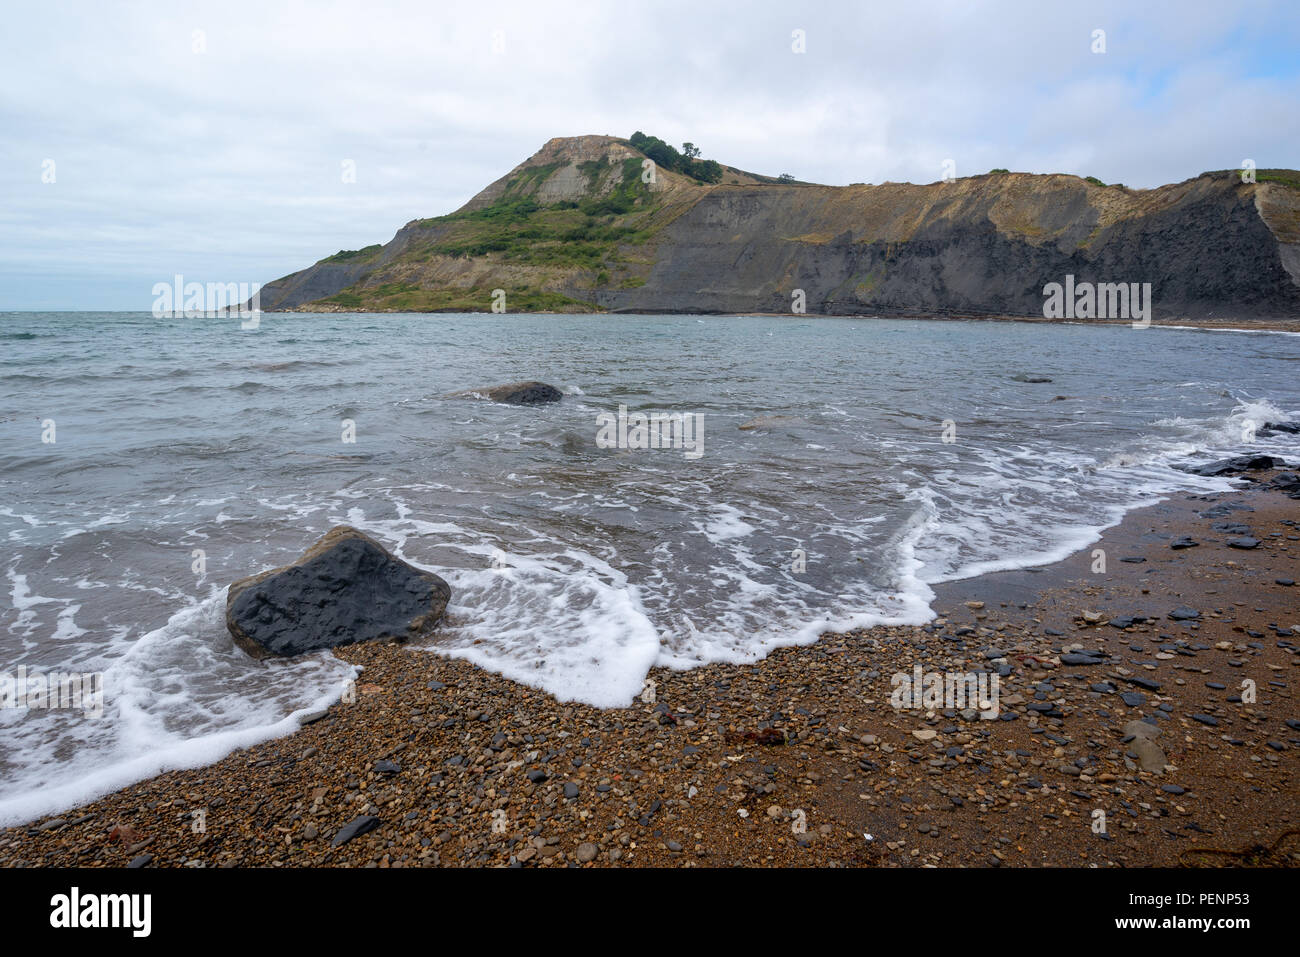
[578, 228]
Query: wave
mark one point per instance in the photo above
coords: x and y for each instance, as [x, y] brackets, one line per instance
[181, 696]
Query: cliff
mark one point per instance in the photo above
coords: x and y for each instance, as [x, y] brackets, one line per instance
[577, 228]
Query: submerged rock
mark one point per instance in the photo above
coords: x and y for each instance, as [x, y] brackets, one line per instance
[516, 393]
[1271, 428]
[344, 589]
[770, 422]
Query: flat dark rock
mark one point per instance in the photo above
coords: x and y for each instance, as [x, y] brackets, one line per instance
[1223, 509]
[1183, 613]
[1286, 482]
[1125, 621]
[517, 393]
[346, 588]
[1144, 683]
[1183, 542]
[1240, 463]
[1073, 658]
[1244, 542]
[355, 828]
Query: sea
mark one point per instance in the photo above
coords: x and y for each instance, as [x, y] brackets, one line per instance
[147, 463]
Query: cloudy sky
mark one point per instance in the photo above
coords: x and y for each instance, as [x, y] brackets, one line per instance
[209, 139]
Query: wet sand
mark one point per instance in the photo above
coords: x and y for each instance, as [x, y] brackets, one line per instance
[794, 760]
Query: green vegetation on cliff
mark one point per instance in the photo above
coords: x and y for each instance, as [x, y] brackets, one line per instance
[585, 234]
[706, 171]
[364, 255]
[398, 297]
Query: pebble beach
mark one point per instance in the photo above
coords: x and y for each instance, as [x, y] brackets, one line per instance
[1125, 737]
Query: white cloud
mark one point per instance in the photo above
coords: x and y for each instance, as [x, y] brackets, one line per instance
[225, 164]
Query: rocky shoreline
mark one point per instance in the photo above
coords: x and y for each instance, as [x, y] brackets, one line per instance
[1120, 692]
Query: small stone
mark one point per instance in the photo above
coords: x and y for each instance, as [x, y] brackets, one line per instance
[354, 828]
[1151, 757]
[1146, 683]
[1073, 658]
[587, 852]
[925, 734]
[1141, 729]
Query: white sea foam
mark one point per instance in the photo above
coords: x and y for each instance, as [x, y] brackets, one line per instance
[180, 696]
[1255, 332]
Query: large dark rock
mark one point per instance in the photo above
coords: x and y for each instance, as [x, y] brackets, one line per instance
[1240, 463]
[1271, 428]
[344, 589]
[517, 393]
[1287, 482]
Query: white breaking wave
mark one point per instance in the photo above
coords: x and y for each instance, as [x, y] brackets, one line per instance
[180, 696]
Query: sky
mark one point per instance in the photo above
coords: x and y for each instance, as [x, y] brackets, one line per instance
[143, 140]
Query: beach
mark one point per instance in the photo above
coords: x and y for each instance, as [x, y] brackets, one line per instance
[800, 758]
